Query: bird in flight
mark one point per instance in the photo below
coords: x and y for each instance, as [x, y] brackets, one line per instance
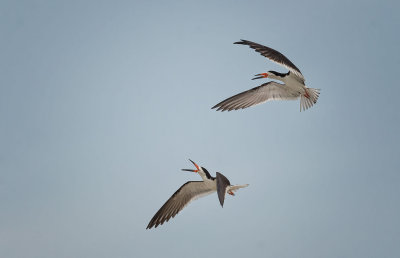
[192, 190]
[292, 88]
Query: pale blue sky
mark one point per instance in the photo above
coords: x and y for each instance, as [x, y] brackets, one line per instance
[103, 102]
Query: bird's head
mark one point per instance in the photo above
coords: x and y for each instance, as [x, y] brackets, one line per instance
[200, 170]
[193, 170]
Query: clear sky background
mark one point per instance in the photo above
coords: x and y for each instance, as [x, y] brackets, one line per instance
[103, 102]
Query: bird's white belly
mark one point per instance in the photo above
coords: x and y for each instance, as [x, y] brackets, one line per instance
[295, 86]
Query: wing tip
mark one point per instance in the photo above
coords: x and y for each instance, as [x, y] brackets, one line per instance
[242, 41]
[219, 108]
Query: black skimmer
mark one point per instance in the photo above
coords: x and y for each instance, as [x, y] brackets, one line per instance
[191, 191]
[292, 88]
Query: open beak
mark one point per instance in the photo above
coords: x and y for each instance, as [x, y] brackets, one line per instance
[192, 170]
[260, 76]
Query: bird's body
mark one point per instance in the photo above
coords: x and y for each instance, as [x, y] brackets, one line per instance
[293, 86]
[193, 190]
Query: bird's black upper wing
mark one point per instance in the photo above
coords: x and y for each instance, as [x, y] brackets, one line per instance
[222, 184]
[273, 55]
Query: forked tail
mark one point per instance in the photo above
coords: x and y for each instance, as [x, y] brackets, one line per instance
[309, 98]
[237, 187]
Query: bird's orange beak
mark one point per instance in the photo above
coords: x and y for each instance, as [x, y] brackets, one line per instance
[231, 193]
[192, 170]
[260, 76]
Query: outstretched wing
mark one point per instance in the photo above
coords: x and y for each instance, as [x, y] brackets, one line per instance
[273, 55]
[183, 196]
[265, 92]
[222, 184]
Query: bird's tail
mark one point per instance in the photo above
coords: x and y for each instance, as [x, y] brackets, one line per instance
[237, 187]
[309, 98]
